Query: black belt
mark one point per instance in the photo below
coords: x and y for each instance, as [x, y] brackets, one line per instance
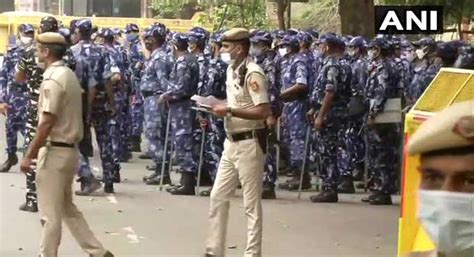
[60, 144]
[149, 93]
[244, 135]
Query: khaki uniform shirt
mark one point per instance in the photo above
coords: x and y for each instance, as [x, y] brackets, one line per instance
[253, 93]
[61, 95]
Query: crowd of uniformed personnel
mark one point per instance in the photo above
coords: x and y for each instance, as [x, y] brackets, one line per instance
[327, 93]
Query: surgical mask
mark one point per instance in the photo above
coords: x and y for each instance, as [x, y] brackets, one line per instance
[226, 58]
[372, 54]
[26, 40]
[448, 217]
[317, 52]
[131, 37]
[282, 51]
[255, 51]
[420, 53]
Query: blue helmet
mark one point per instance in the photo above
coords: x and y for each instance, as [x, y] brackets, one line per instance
[117, 31]
[216, 37]
[292, 32]
[278, 34]
[201, 31]
[290, 40]
[157, 30]
[262, 37]
[27, 28]
[449, 49]
[357, 42]
[426, 41]
[131, 27]
[379, 42]
[465, 58]
[84, 25]
[329, 38]
[304, 37]
[196, 37]
[64, 32]
[106, 33]
[180, 40]
[314, 33]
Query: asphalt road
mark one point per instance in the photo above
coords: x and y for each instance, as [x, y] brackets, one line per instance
[141, 221]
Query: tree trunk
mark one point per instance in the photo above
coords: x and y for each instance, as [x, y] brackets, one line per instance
[357, 17]
[281, 6]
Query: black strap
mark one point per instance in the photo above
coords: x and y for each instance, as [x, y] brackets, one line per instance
[60, 144]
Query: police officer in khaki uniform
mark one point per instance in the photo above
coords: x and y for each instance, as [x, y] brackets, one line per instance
[55, 147]
[243, 158]
[445, 144]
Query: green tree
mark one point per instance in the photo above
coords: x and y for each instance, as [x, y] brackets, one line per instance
[454, 10]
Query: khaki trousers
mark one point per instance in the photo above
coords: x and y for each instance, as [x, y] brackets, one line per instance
[242, 160]
[56, 168]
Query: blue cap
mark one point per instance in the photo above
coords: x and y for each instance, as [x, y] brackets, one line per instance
[379, 42]
[65, 32]
[292, 32]
[196, 37]
[117, 31]
[426, 41]
[179, 39]
[216, 37]
[314, 33]
[329, 38]
[131, 27]
[290, 40]
[84, 25]
[358, 42]
[304, 37]
[261, 37]
[449, 49]
[105, 33]
[27, 28]
[201, 31]
[278, 34]
[157, 30]
[405, 44]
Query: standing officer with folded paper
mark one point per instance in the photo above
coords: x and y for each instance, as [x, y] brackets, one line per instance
[243, 159]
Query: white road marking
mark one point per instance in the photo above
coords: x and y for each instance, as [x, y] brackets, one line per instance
[112, 199]
[132, 236]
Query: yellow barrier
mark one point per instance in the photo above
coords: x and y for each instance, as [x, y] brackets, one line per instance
[449, 86]
[9, 23]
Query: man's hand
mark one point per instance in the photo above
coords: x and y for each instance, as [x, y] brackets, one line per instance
[219, 110]
[3, 108]
[319, 123]
[310, 116]
[26, 165]
[116, 78]
[271, 121]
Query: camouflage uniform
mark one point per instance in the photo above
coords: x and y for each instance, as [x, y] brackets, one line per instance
[15, 95]
[423, 73]
[135, 61]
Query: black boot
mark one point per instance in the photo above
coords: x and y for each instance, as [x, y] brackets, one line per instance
[369, 198]
[126, 156]
[109, 188]
[346, 186]
[156, 180]
[144, 156]
[135, 144]
[88, 186]
[187, 187]
[294, 183]
[11, 161]
[29, 206]
[268, 191]
[358, 175]
[116, 177]
[381, 199]
[151, 167]
[206, 193]
[329, 196]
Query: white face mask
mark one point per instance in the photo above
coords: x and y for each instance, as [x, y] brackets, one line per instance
[282, 51]
[225, 57]
[26, 40]
[448, 218]
[372, 54]
[352, 52]
[420, 53]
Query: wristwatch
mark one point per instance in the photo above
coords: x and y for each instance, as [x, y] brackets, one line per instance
[229, 112]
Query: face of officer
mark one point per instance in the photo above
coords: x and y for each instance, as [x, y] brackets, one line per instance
[150, 43]
[323, 49]
[373, 53]
[447, 200]
[231, 52]
[257, 49]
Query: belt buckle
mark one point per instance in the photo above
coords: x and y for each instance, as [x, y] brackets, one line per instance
[254, 133]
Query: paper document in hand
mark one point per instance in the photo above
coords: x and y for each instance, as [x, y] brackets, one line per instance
[207, 102]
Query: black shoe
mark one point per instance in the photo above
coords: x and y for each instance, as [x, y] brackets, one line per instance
[29, 206]
[156, 180]
[144, 156]
[126, 157]
[11, 161]
[360, 185]
[151, 176]
[116, 178]
[88, 186]
[358, 175]
[135, 144]
[151, 167]
[109, 188]
[346, 186]
[294, 183]
[188, 184]
[369, 198]
[325, 197]
[268, 192]
[381, 199]
[206, 193]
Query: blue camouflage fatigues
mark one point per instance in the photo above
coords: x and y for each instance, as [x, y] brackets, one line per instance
[382, 139]
[152, 85]
[135, 61]
[266, 62]
[294, 71]
[93, 69]
[215, 86]
[15, 95]
[423, 73]
[355, 134]
[181, 86]
[332, 78]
